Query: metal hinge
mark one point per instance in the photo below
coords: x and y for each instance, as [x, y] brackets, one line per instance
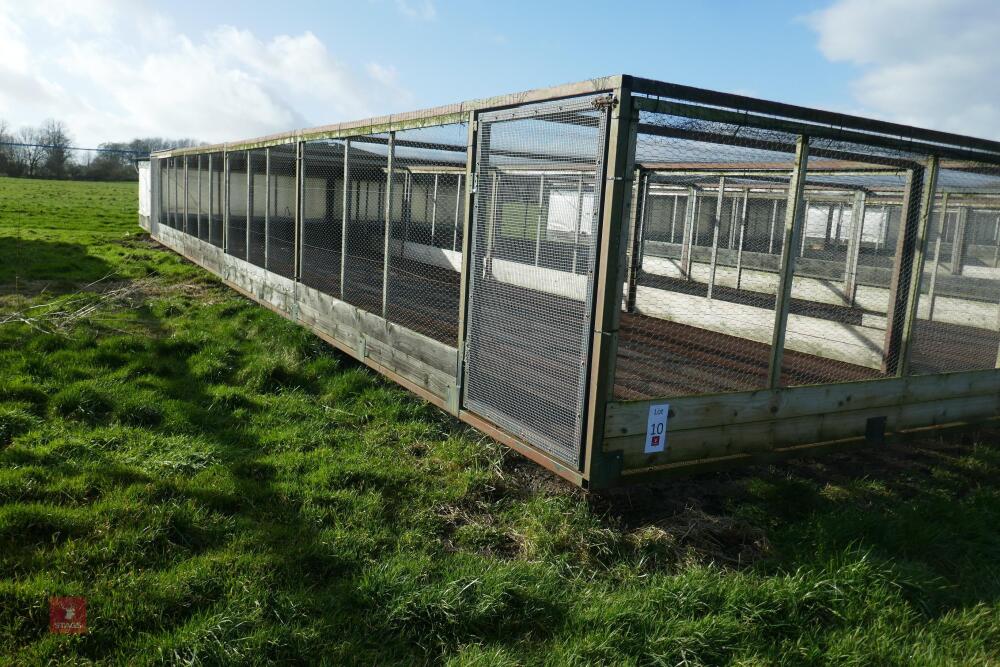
[606, 102]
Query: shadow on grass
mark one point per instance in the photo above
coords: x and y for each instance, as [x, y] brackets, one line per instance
[32, 265]
[929, 508]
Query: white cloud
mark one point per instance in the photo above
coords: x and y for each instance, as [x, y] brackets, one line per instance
[122, 70]
[931, 63]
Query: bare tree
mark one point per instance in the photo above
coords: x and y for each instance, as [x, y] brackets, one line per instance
[29, 151]
[54, 135]
[6, 150]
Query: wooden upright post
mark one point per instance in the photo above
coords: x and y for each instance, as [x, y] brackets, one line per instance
[267, 207]
[716, 223]
[598, 467]
[854, 246]
[919, 250]
[468, 262]
[744, 219]
[538, 223]
[185, 229]
[198, 220]
[912, 232]
[958, 246]
[687, 237]
[225, 201]
[635, 234]
[388, 227]
[345, 215]
[300, 177]
[794, 220]
[246, 248]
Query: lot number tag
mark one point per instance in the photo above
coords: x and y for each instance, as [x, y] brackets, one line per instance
[656, 428]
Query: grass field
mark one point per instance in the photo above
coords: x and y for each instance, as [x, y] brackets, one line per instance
[224, 488]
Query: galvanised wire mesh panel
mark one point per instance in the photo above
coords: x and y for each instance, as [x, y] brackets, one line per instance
[958, 311]
[705, 258]
[843, 269]
[281, 210]
[842, 294]
[424, 264]
[257, 226]
[323, 221]
[236, 233]
[365, 239]
[217, 199]
[530, 312]
[204, 197]
[191, 196]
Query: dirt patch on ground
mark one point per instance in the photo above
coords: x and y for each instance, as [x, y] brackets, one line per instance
[696, 513]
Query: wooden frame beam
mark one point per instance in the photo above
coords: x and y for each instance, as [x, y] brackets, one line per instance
[904, 137]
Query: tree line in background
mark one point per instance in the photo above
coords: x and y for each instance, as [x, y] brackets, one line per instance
[47, 152]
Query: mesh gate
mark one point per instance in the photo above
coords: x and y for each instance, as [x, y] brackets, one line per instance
[532, 268]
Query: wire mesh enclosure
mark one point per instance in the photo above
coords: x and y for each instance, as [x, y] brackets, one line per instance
[622, 277]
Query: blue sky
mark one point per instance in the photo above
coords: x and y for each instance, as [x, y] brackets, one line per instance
[114, 69]
[460, 50]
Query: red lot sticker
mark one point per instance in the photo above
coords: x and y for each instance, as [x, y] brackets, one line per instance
[68, 615]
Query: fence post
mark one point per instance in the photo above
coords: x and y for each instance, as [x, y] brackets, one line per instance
[958, 243]
[538, 224]
[185, 230]
[639, 198]
[854, 245]
[917, 274]
[267, 207]
[931, 295]
[716, 224]
[794, 219]
[388, 226]
[198, 220]
[910, 235]
[673, 216]
[211, 191]
[598, 468]
[687, 237]
[246, 231]
[458, 207]
[434, 208]
[471, 175]
[344, 213]
[300, 177]
[744, 218]
[225, 201]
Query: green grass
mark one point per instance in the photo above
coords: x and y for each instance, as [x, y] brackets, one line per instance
[225, 488]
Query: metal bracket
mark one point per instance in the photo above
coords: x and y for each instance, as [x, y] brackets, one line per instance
[605, 102]
[362, 346]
